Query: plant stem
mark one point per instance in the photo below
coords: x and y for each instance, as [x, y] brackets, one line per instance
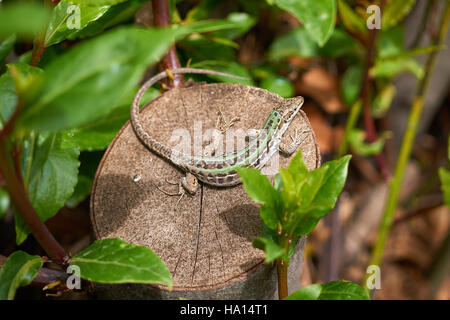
[371, 132]
[26, 211]
[355, 111]
[407, 143]
[282, 269]
[161, 14]
[423, 23]
[39, 41]
[38, 48]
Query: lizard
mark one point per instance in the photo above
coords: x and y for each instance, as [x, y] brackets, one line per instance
[220, 171]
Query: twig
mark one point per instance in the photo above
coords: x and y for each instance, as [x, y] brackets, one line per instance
[161, 16]
[436, 202]
[407, 143]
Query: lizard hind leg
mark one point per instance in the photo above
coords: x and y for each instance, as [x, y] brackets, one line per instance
[190, 183]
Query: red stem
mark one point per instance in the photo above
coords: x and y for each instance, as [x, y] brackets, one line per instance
[26, 211]
[369, 123]
[38, 49]
[282, 270]
[39, 41]
[161, 16]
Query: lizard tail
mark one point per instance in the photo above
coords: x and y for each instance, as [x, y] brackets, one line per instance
[139, 130]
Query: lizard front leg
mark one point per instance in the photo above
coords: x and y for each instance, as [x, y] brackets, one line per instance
[289, 149]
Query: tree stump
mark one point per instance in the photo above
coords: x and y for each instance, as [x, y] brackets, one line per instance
[205, 239]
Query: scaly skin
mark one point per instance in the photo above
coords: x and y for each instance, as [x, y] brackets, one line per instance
[221, 170]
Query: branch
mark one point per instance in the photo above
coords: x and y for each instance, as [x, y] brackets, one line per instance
[161, 16]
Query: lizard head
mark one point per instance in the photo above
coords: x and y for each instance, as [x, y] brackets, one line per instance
[289, 109]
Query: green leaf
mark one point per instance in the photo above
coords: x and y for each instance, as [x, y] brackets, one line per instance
[311, 186]
[317, 16]
[258, 187]
[6, 45]
[97, 135]
[356, 139]
[395, 11]
[444, 175]
[19, 270]
[297, 167]
[335, 290]
[390, 43]
[4, 203]
[116, 14]
[296, 42]
[351, 84]
[8, 98]
[340, 44]
[95, 3]
[383, 100]
[261, 191]
[62, 21]
[272, 250]
[325, 189]
[389, 68]
[333, 182]
[27, 80]
[289, 191]
[202, 10]
[82, 190]
[242, 23]
[236, 23]
[80, 87]
[279, 85]
[25, 19]
[419, 51]
[352, 21]
[116, 261]
[202, 48]
[50, 168]
[227, 67]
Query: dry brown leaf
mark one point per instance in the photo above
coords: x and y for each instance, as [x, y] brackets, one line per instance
[328, 137]
[323, 87]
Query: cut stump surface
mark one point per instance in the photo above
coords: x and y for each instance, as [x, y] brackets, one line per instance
[205, 240]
